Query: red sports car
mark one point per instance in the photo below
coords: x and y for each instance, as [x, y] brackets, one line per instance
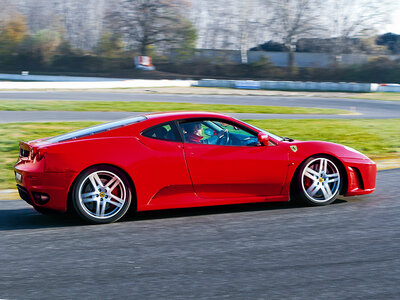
[182, 159]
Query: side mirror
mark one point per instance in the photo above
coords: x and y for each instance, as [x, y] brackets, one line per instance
[263, 138]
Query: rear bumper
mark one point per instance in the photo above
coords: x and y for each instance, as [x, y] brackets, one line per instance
[361, 176]
[25, 195]
[53, 185]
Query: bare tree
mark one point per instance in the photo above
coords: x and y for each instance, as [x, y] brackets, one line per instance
[7, 11]
[293, 19]
[254, 24]
[147, 22]
[80, 22]
[213, 22]
[222, 24]
[230, 24]
[344, 19]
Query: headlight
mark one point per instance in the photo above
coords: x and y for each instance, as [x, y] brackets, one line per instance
[354, 150]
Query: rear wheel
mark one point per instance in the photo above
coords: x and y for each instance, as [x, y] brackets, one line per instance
[319, 181]
[101, 195]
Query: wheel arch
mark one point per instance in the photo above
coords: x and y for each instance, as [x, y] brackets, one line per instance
[330, 156]
[133, 188]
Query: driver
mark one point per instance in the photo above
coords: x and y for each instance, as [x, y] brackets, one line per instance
[192, 132]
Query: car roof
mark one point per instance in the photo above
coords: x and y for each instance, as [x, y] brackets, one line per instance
[184, 114]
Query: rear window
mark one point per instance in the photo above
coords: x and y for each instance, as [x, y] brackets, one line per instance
[95, 129]
[162, 132]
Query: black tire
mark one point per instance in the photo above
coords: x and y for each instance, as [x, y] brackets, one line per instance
[101, 194]
[319, 181]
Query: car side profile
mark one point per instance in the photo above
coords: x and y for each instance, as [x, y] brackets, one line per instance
[182, 159]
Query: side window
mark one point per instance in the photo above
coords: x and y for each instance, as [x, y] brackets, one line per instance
[235, 135]
[216, 132]
[193, 132]
[161, 132]
[235, 129]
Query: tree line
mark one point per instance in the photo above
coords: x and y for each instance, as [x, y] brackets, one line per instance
[133, 27]
[50, 33]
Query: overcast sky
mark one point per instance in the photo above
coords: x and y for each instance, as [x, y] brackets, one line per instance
[395, 26]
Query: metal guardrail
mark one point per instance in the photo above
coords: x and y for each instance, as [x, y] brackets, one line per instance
[300, 86]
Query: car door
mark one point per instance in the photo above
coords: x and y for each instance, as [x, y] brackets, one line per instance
[221, 171]
[165, 182]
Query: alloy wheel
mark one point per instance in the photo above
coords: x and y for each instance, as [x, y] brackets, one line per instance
[320, 180]
[102, 195]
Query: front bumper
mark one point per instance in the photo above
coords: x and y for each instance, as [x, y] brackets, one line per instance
[361, 176]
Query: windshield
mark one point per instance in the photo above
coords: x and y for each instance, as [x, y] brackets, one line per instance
[95, 129]
[276, 137]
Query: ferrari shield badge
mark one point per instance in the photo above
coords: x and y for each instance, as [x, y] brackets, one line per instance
[294, 148]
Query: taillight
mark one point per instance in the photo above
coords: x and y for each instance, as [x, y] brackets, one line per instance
[33, 153]
[23, 152]
[39, 155]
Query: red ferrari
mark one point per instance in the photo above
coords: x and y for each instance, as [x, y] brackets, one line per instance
[182, 159]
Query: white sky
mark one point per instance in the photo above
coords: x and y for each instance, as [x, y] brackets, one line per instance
[395, 26]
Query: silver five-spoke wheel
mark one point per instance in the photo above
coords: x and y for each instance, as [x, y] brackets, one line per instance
[101, 195]
[320, 181]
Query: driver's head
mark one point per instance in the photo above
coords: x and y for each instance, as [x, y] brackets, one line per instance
[191, 128]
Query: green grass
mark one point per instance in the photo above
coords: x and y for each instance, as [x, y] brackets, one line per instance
[65, 105]
[12, 133]
[377, 96]
[375, 138]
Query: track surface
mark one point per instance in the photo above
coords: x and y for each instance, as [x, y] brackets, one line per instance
[375, 109]
[347, 250]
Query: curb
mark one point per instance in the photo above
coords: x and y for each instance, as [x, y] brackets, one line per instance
[9, 194]
[387, 163]
[105, 84]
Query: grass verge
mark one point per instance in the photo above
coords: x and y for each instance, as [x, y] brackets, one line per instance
[377, 96]
[67, 105]
[12, 133]
[375, 138]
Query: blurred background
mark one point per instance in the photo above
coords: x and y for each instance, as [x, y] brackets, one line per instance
[317, 40]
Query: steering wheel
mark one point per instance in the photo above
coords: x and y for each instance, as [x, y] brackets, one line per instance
[223, 137]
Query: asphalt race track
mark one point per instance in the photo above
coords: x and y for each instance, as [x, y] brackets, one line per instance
[374, 109]
[347, 250]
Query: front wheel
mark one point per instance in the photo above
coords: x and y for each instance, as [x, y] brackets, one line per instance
[319, 181]
[101, 195]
